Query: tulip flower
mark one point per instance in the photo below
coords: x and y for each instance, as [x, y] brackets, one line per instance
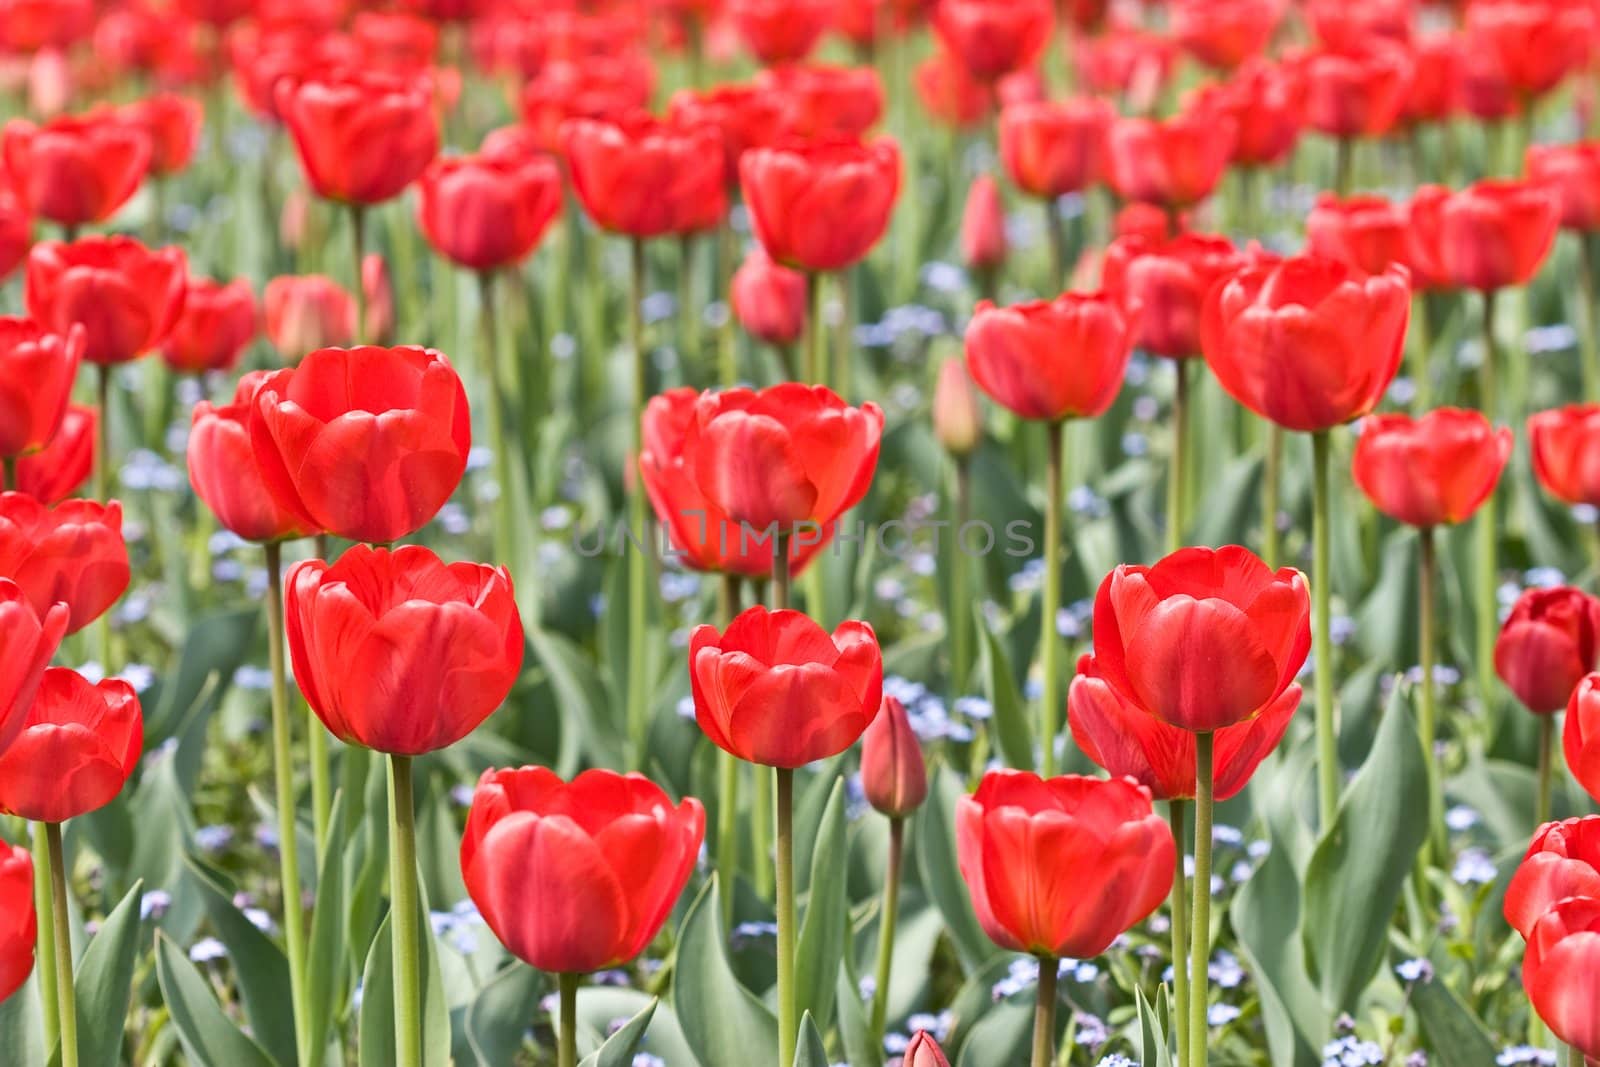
[172, 125]
[16, 234]
[362, 136]
[1050, 149]
[894, 777]
[226, 475]
[1354, 93]
[1019, 832]
[983, 230]
[605, 86]
[1438, 80]
[28, 640]
[1559, 974]
[1365, 232]
[949, 93]
[747, 116]
[487, 212]
[826, 101]
[780, 31]
[1580, 736]
[216, 325]
[72, 553]
[1174, 163]
[643, 177]
[769, 300]
[1565, 446]
[1265, 103]
[37, 369]
[1535, 46]
[303, 313]
[76, 168]
[1223, 34]
[1573, 172]
[59, 469]
[994, 37]
[1051, 360]
[924, 1051]
[1562, 861]
[19, 927]
[957, 421]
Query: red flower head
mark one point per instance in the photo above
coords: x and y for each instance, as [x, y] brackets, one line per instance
[1265, 102]
[37, 369]
[643, 177]
[217, 323]
[1562, 861]
[363, 135]
[1203, 640]
[399, 651]
[949, 93]
[76, 751]
[747, 116]
[1488, 236]
[1127, 60]
[1224, 33]
[1565, 443]
[983, 225]
[60, 469]
[820, 206]
[1432, 471]
[1349, 23]
[994, 37]
[127, 296]
[1560, 970]
[367, 443]
[1051, 359]
[305, 312]
[42, 25]
[488, 211]
[1438, 79]
[577, 877]
[1355, 93]
[72, 553]
[395, 40]
[1573, 171]
[172, 125]
[76, 168]
[1175, 162]
[1307, 342]
[894, 775]
[1534, 44]
[16, 234]
[19, 928]
[779, 690]
[226, 474]
[1167, 282]
[1129, 743]
[1050, 149]
[780, 31]
[824, 101]
[1366, 232]
[607, 86]
[769, 299]
[924, 1051]
[1060, 867]
[1580, 736]
[28, 640]
[1548, 643]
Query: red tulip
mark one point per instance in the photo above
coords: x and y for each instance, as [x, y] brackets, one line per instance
[265, 56]
[1129, 61]
[1175, 162]
[61, 467]
[395, 40]
[72, 553]
[1225, 33]
[1486, 90]
[1060, 867]
[994, 37]
[76, 751]
[1548, 643]
[599, 87]
[16, 234]
[1560, 972]
[577, 877]
[747, 116]
[1355, 93]
[949, 93]
[37, 369]
[1203, 640]
[217, 324]
[1432, 471]
[486, 212]
[1051, 149]
[780, 31]
[820, 206]
[19, 929]
[1565, 443]
[894, 775]
[28, 640]
[1573, 171]
[1438, 79]
[1365, 232]
[226, 475]
[1350, 23]
[367, 443]
[1307, 342]
[399, 651]
[1051, 359]
[362, 135]
[172, 125]
[1580, 738]
[1562, 861]
[127, 296]
[983, 225]
[1129, 743]
[824, 101]
[305, 312]
[779, 690]
[1265, 102]
[76, 168]
[44, 25]
[769, 300]
[1167, 283]
[1488, 236]
[924, 1051]
[1535, 45]
[643, 177]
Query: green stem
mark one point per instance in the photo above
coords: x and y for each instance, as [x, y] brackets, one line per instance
[294, 927]
[638, 564]
[761, 836]
[102, 438]
[61, 922]
[405, 937]
[886, 927]
[1180, 933]
[504, 531]
[727, 778]
[358, 244]
[688, 306]
[1487, 615]
[1547, 744]
[780, 573]
[788, 1008]
[567, 1049]
[816, 331]
[1058, 245]
[1269, 495]
[1344, 166]
[727, 354]
[1427, 722]
[1048, 640]
[960, 609]
[1175, 501]
[1322, 643]
[44, 907]
[842, 347]
[1044, 1014]
[1587, 327]
[1200, 946]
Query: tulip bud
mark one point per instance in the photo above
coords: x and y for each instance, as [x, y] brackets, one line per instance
[924, 1051]
[983, 225]
[893, 773]
[295, 217]
[957, 422]
[768, 299]
[1548, 643]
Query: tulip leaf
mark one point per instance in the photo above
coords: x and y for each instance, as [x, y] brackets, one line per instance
[259, 966]
[809, 1050]
[499, 1015]
[936, 862]
[376, 1026]
[1002, 1037]
[722, 1020]
[1455, 1037]
[823, 931]
[21, 1038]
[103, 981]
[619, 1049]
[326, 952]
[1013, 732]
[860, 1050]
[973, 999]
[1154, 1025]
[204, 1030]
[1359, 867]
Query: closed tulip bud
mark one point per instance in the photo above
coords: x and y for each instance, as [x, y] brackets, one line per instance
[1051, 148]
[924, 1051]
[226, 475]
[73, 552]
[894, 774]
[306, 312]
[1562, 861]
[577, 877]
[19, 926]
[1580, 736]
[172, 123]
[378, 291]
[1561, 973]
[1051, 359]
[399, 651]
[1488, 236]
[80, 743]
[983, 226]
[362, 135]
[769, 299]
[1565, 443]
[37, 369]
[76, 169]
[994, 37]
[1432, 471]
[128, 297]
[1106, 854]
[644, 177]
[779, 690]
[217, 323]
[61, 468]
[1547, 644]
[50, 83]
[28, 640]
[820, 206]
[957, 419]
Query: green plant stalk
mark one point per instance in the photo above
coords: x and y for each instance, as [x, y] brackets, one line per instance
[844, 333]
[1321, 637]
[788, 1008]
[1271, 474]
[886, 928]
[1427, 721]
[1547, 745]
[1057, 235]
[688, 305]
[1487, 615]
[358, 245]
[567, 1046]
[1344, 166]
[1588, 329]
[816, 366]
[45, 910]
[638, 564]
[1180, 933]
[1175, 467]
[102, 489]
[761, 836]
[727, 776]
[727, 353]
[405, 938]
[1044, 1014]
[504, 531]
[61, 925]
[1200, 946]
[294, 927]
[960, 615]
[1049, 711]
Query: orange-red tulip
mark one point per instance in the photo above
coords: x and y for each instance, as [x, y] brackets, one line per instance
[76, 750]
[62, 467]
[37, 369]
[72, 553]
[780, 31]
[1562, 861]
[1493, 234]
[28, 640]
[1573, 171]
[305, 312]
[1174, 162]
[1051, 359]
[226, 475]
[747, 116]
[1165, 285]
[172, 124]
[1565, 444]
[820, 206]
[1547, 644]
[643, 177]
[1367, 232]
[488, 211]
[76, 168]
[128, 297]
[994, 37]
[19, 929]
[1434, 470]
[826, 101]
[1580, 738]
[1224, 33]
[1053, 148]
[217, 323]
[362, 135]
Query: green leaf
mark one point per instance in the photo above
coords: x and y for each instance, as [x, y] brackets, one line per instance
[1154, 1020]
[326, 952]
[821, 943]
[860, 1050]
[1454, 1036]
[206, 1032]
[1013, 732]
[722, 1020]
[1002, 1037]
[936, 861]
[620, 1047]
[1360, 866]
[259, 966]
[377, 1000]
[500, 1014]
[1266, 916]
[103, 981]
[21, 1039]
[810, 1051]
